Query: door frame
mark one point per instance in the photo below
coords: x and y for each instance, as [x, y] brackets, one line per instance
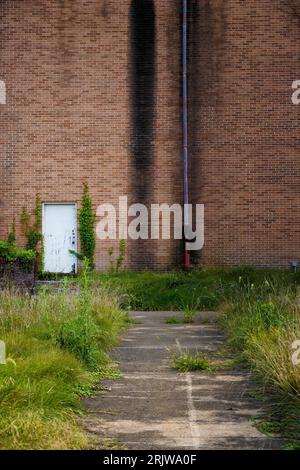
[75, 204]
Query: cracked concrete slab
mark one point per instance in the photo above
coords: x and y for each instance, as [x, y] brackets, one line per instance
[154, 407]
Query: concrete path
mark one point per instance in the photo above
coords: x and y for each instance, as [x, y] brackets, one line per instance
[155, 407]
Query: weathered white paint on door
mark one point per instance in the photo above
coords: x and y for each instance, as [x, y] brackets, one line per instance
[60, 236]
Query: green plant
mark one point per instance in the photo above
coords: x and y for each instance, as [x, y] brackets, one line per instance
[117, 266]
[165, 292]
[58, 344]
[269, 428]
[110, 252]
[174, 320]
[266, 426]
[268, 314]
[185, 362]
[10, 253]
[25, 220]
[87, 227]
[11, 239]
[32, 232]
[79, 335]
[190, 308]
[189, 315]
[109, 372]
[262, 320]
[121, 257]
[291, 446]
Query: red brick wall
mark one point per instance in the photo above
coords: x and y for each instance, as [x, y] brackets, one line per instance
[245, 137]
[69, 118]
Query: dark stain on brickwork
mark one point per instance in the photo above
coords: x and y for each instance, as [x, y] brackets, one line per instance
[66, 47]
[5, 5]
[142, 86]
[106, 9]
[142, 19]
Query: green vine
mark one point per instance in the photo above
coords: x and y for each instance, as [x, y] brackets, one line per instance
[121, 257]
[117, 266]
[11, 239]
[87, 227]
[33, 232]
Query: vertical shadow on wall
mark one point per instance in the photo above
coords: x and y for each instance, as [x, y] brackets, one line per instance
[142, 85]
[194, 106]
[175, 61]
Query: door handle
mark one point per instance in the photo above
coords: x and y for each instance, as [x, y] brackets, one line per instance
[73, 238]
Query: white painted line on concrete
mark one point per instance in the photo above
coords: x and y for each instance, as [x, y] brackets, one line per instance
[192, 413]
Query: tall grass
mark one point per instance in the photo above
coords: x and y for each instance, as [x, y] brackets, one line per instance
[262, 321]
[205, 288]
[58, 343]
[149, 291]
[57, 346]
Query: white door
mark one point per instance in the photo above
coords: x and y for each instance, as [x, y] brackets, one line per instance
[60, 236]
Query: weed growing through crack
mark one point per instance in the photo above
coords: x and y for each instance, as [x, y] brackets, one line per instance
[110, 372]
[185, 362]
[189, 315]
[172, 320]
[190, 309]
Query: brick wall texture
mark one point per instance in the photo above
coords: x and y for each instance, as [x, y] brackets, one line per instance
[94, 95]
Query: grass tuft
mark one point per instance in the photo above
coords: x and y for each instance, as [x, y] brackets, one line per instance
[174, 320]
[186, 362]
